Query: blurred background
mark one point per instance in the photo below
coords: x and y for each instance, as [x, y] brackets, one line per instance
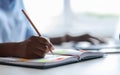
[75, 17]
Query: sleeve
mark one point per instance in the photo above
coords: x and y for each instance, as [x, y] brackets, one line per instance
[30, 31]
[4, 29]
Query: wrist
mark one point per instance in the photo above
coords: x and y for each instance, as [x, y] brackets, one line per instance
[8, 49]
[68, 38]
[19, 50]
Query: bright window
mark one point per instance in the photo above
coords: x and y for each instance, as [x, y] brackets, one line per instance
[51, 14]
[96, 6]
[41, 12]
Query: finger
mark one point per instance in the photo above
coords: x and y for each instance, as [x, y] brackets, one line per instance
[45, 49]
[38, 39]
[94, 41]
[45, 46]
[95, 38]
[99, 40]
[33, 54]
[43, 41]
[39, 54]
[48, 48]
[49, 44]
[90, 41]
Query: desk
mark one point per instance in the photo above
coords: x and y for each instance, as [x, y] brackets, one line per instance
[109, 65]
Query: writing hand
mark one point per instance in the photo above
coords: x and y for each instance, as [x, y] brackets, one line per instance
[34, 47]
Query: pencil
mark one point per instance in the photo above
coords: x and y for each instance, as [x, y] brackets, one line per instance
[33, 25]
[31, 22]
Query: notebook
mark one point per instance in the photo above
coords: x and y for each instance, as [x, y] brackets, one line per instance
[61, 57]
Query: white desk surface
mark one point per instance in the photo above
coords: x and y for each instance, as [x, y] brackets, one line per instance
[109, 65]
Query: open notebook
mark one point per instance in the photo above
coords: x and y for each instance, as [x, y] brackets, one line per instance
[60, 57]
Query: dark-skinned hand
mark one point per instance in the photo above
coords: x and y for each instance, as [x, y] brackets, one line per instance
[85, 37]
[33, 47]
[36, 47]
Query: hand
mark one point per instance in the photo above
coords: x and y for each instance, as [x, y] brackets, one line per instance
[85, 37]
[34, 47]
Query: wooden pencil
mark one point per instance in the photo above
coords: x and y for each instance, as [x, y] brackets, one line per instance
[31, 22]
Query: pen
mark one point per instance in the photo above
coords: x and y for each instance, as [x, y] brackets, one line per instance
[32, 24]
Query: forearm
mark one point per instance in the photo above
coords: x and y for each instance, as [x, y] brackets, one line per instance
[8, 49]
[60, 40]
[57, 40]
